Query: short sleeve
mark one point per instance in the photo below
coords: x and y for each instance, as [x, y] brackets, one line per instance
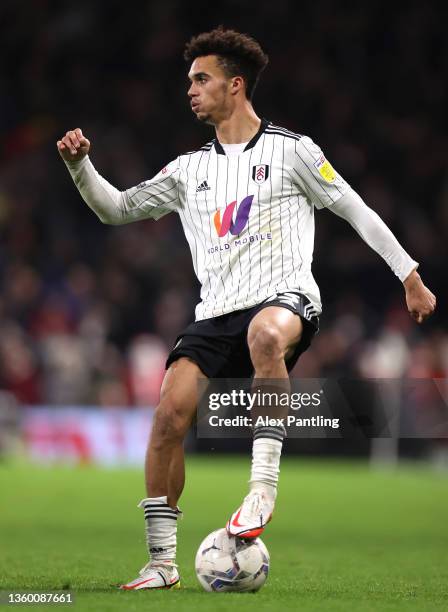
[314, 174]
[156, 197]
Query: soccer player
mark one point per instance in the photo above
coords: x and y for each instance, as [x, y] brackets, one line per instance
[246, 201]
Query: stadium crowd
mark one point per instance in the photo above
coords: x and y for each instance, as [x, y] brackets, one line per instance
[88, 312]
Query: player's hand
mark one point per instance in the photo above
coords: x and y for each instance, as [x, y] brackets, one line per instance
[420, 300]
[73, 146]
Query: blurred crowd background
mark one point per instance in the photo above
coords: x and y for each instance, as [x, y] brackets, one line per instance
[88, 312]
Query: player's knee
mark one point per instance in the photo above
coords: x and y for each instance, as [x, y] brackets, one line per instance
[266, 345]
[170, 422]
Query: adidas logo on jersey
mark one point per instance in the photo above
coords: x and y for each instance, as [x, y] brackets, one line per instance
[203, 186]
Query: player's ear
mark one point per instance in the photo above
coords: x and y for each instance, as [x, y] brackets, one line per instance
[236, 85]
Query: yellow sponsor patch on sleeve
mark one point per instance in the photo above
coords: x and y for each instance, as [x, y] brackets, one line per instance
[325, 169]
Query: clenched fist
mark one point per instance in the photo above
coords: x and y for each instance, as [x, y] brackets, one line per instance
[420, 300]
[73, 146]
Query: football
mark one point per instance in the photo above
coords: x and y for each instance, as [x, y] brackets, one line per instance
[227, 563]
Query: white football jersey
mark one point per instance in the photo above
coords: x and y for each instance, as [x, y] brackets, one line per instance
[248, 218]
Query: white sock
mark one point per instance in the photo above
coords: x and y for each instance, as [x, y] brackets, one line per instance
[266, 454]
[161, 528]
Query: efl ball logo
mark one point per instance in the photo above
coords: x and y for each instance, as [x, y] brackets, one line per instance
[260, 173]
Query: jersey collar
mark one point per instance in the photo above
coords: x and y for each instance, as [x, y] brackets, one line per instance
[263, 125]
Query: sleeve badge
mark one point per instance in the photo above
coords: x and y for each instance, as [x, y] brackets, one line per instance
[325, 169]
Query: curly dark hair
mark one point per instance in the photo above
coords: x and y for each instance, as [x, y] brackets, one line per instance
[238, 54]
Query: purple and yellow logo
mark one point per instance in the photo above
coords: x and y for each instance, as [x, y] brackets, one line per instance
[227, 224]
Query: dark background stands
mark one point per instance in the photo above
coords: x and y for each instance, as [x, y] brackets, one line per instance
[88, 312]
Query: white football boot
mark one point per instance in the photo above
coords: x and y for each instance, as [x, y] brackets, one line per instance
[155, 575]
[252, 516]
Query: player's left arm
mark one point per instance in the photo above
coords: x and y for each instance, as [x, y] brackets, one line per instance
[327, 189]
[420, 300]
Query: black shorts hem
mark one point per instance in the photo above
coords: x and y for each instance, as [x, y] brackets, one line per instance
[306, 322]
[218, 345]
[193, 356]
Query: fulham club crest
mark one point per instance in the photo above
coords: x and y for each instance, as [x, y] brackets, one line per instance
[260, 173]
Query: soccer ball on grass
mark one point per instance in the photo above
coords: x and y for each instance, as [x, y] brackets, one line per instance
[227, 563]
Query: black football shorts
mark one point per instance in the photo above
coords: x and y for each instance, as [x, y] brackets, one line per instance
[219, 345]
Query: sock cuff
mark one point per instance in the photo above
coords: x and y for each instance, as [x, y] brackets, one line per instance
[160, 512]
[270, 432]
[157, 507]
[153, 501]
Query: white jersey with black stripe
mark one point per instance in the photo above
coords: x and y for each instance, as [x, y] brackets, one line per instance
[248, 218]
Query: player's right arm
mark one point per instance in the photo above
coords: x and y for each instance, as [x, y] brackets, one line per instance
[152, 199]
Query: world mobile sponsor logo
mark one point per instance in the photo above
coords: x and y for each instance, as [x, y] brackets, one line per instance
[235, 227]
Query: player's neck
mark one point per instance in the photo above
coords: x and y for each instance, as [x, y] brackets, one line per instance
[240, 126]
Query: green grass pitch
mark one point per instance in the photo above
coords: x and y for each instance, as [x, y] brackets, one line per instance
[343, 538]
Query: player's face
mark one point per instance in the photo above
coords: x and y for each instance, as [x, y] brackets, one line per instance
[210, 91]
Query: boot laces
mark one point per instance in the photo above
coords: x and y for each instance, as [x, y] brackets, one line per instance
[157, 565]
[252, 506]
